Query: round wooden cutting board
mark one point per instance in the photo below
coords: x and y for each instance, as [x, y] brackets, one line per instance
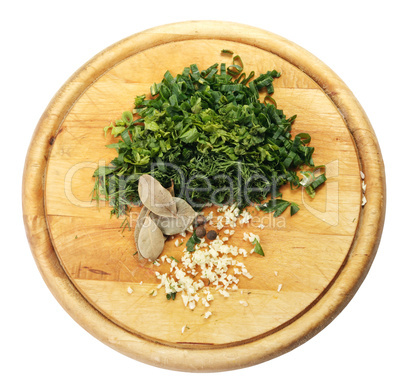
[314, 261]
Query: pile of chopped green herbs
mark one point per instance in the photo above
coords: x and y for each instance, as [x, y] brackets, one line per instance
[207, 134]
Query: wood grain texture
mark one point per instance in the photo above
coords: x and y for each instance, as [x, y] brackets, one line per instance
[321, 255]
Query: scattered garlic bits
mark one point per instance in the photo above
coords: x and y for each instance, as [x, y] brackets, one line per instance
[250, 237]
[153, 293]
[229, 217]
[183, 329]
[212, 265]
[213, 268]
[207, 314]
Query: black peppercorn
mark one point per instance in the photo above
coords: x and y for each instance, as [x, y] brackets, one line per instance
[200, 231]
[211, 235]
[200, 220]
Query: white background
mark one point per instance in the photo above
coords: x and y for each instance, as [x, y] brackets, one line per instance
[44, 42]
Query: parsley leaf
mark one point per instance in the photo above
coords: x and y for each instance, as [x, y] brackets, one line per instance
[277, 206]
[294, 208]
[192, 241]
[258, 248]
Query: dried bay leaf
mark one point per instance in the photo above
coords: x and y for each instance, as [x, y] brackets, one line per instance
[174, 225]
[155, 197]
[150, 240]
[171, 188]
[138, 225]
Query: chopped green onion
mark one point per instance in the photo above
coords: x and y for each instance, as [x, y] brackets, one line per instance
[207, 123]
[230, 52]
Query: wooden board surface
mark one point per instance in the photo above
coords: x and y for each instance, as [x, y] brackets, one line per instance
[307, 254]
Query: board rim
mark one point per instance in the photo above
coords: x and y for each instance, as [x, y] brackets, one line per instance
[360, 256]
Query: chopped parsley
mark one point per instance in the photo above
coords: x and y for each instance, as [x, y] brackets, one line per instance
[208, 133]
